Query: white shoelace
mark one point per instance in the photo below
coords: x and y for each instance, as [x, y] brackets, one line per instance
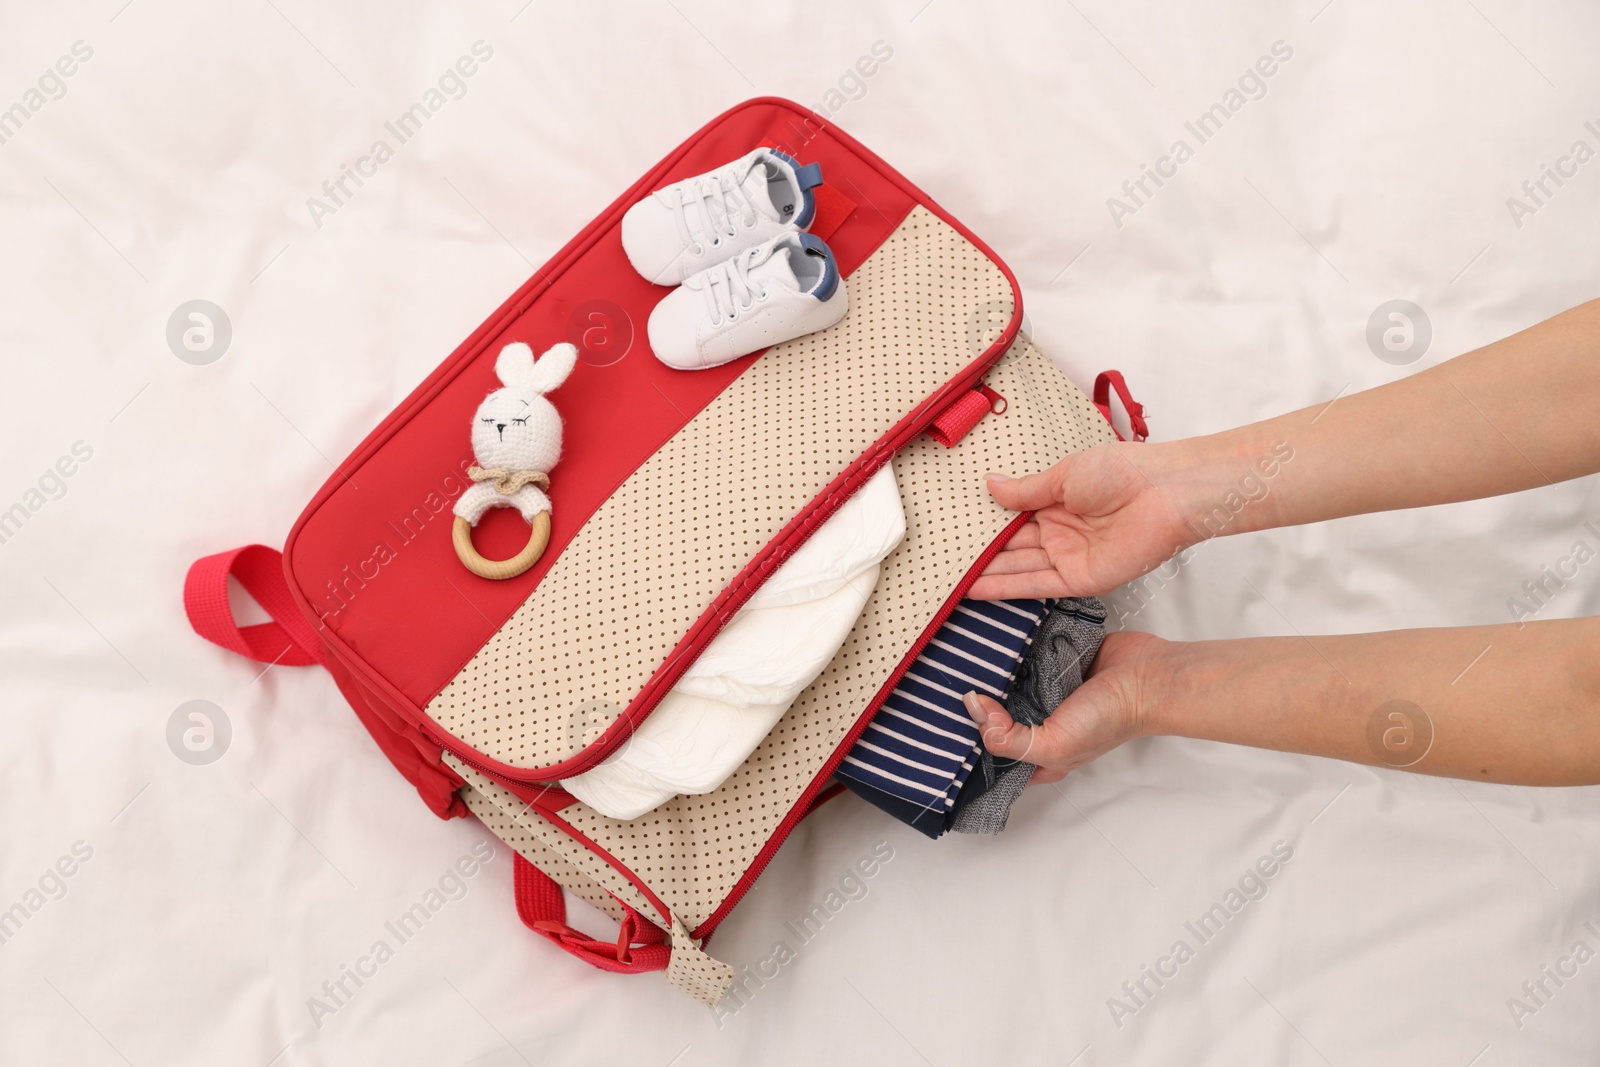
[729, 289]
[721, 202]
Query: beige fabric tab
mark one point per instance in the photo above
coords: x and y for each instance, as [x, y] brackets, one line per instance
[693, 850]
[650, 560]
[691, 970]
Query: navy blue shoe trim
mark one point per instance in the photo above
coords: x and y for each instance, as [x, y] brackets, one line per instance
[809, 177]
[824, 288]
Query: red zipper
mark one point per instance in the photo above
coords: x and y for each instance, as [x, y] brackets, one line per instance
[659, 684]
[802, 807]
[515, 306]
[512, 784]
[808, 800]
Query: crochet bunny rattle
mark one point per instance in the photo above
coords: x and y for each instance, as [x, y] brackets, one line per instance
[516, 439]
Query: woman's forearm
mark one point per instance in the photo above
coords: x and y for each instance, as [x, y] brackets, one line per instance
[1516, 414]
[1493, 703]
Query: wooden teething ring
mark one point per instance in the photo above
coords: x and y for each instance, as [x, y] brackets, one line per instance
[499, 569]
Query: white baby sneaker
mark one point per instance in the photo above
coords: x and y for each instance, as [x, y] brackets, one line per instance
[692, 224]
[782, 289]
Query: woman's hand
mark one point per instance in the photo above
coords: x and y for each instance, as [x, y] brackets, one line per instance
[1527, 714]
[1102, 517]
[1109, 708]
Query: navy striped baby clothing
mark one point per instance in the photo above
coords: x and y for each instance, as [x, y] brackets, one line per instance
[916, 754]
[1055, 665]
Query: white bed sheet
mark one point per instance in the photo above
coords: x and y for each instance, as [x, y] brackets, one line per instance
[218, 899]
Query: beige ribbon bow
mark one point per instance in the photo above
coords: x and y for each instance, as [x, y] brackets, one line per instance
[507, 482]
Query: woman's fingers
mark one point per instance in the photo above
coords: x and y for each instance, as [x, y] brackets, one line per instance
[1022, 585]
[1021, 569]
[1001, 735]
[1094, 718]
[1015, 560]
[1089, 722]
[1028, 493]
[1027, 536]
[1042, 746]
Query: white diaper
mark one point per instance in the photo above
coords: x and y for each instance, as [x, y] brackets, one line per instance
[744, 681]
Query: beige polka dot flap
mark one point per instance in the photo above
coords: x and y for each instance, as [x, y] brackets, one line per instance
[686, 864]
[545, 696]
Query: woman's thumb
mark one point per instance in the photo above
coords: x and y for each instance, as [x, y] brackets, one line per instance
[1028, 493]
[1001, 735]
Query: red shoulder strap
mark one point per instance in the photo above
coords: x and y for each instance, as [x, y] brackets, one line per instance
[641, 945]
[289, 639]
[1103, 384]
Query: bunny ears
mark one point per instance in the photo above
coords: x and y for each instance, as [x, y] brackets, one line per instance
[516, 367]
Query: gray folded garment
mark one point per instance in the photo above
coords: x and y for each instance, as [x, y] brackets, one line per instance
[1055, 664]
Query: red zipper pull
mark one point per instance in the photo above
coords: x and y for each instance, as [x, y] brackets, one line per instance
[965, 412]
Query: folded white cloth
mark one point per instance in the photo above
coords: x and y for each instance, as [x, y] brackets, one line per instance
[744, 681]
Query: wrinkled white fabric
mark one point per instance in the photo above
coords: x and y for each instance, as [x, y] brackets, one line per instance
[222, 897]
[782, 638]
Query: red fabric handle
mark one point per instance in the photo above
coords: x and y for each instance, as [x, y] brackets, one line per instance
[288, 639]
[641, 945]
[1103, 384]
